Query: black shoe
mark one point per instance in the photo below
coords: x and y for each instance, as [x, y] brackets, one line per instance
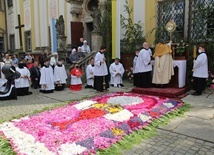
[121, 85]
[112, 85]
[196, 94]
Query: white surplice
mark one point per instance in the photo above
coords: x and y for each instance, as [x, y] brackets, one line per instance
[60, 74]
[23, 81]
[47, 78]
[90, 75]
[100, 69]
[114, 70]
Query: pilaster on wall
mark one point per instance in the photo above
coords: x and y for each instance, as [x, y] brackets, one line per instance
[76, 9]
[150, 12]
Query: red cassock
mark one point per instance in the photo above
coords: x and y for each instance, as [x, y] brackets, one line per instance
[76, 83]
[76, 72]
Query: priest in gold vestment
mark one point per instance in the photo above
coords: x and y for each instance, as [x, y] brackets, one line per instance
[163, 67]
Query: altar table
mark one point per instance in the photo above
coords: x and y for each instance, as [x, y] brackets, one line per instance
[181, 64]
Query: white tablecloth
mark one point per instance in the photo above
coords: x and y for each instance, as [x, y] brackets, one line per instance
[181, 64]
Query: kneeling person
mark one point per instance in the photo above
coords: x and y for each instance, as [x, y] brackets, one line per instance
[22, 83]
[116, 70]
[60, 75]
[47, 78]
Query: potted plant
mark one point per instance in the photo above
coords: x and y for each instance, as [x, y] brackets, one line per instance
[181, 48]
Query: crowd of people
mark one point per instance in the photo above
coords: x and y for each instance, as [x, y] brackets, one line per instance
[163, 70]
[49, 72]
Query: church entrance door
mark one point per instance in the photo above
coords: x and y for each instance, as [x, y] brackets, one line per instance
[76, 33]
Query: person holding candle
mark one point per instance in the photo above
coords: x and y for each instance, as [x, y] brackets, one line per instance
[200, 71]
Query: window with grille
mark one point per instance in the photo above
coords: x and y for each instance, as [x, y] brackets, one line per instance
[12, 42]
[1, 44]
[28, 41]
[9, 3]
[202, 20]
[1, 5]
[171, 10]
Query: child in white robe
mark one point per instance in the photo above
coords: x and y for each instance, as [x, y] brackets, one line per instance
[116, 70]
[90, 74]
[22, 83]
[47, 78]
[60, 76]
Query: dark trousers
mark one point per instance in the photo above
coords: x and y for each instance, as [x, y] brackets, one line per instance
[98, 82]
[35, 83]
[199, 84]
[135, 79]
[23, 91]
[59, 87]
[144, 79]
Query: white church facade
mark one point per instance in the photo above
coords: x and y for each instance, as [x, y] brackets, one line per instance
[36, 15]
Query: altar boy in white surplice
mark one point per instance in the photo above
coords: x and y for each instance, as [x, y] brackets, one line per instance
[116, 70]
[47, 78]
[22, 83]
[60, 75]
[90, 74]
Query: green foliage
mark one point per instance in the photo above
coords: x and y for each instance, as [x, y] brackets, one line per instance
[146, 132]
[133, 36]
[106, 29]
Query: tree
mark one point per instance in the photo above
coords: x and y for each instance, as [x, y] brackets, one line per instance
[133, 36]
[105, 28]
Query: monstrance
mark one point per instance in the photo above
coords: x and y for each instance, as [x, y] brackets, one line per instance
[170, 27]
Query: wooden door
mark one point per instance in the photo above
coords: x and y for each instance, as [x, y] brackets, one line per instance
[76, 33]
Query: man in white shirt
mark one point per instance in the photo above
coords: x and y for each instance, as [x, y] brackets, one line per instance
[200, 71]
[144, 67]
[101, 81]
[116, 70]
[90, 74]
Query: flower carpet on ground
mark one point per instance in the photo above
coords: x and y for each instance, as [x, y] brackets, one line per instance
[83, 127]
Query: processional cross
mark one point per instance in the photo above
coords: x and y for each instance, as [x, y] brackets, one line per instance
[20, 29]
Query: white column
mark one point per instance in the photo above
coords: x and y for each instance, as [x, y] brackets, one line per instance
[36, 23]
[43, 23]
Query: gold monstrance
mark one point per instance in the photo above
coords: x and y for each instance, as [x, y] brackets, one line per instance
[170, 27]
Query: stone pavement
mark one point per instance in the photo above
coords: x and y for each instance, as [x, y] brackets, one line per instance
[189, 135]
[192, 134]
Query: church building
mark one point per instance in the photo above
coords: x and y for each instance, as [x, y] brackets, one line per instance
[29, 21]
[3, 28]
[27, 24]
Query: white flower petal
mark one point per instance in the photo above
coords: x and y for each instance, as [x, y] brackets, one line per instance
[24, 143]
[125, 100]
[121, 116]
[71, 149]
[85, 104]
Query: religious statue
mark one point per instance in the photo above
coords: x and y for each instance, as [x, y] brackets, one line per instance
[60, 26]
[96, 14]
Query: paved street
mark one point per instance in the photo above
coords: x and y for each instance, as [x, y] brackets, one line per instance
[190, 135]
